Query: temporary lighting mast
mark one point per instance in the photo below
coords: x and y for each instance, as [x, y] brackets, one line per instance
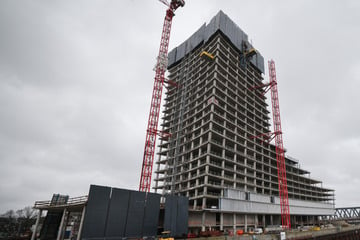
[160, 69]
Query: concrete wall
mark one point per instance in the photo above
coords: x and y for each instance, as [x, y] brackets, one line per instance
[240, 219]
[234, 201]
[210, 219]
[228, 219]
[195, 219]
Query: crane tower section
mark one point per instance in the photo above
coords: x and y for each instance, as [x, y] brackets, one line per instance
[280, 154]
[160, 69]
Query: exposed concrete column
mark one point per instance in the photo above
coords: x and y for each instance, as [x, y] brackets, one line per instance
[221, 221]
[234, 223]
[203, 221]
[81, 223]
[293, 222]
[256, 220]
[271, 220]
[245, 222]
[195, 204]
[33, 236]
[204, 202]
[235, 175]
[264, 221]
[61, 225]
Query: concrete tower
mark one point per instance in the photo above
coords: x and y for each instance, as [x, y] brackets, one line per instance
[211, 113]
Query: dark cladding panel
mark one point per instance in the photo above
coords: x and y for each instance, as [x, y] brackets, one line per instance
[180, 51]
[51, 225]
[135, 214]
[96, 212]
[195, 39]
[221, 22]
[223, 19]
[119, 213]
[260, 62]
[170, 214]
[210, 29]
[151, 217]
[116, 221]
[172, 57]
[176, 215]
[182, 216]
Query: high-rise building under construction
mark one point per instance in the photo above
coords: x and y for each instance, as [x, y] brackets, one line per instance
[211, 115]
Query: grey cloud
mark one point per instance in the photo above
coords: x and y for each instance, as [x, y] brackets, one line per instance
[76, 81]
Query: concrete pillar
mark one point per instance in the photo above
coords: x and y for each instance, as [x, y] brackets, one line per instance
[81, 223]
[221, 221]
[203, 221]
[234, 223]
[264, 221]
[61, 225]
[204, 202]
[33, 236]
[245, 222]
[271, 220]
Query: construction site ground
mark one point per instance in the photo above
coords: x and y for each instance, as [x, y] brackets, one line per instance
[297, 235]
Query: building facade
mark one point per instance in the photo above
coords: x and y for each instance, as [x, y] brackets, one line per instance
[211, 114]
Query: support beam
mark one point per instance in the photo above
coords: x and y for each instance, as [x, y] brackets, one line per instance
[203, 221]
[61, 225]
[246, 226]
[221, 221]
[33, 236]
[81, 223]
[234, 223]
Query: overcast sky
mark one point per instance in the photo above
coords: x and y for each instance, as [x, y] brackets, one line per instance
[76, 81]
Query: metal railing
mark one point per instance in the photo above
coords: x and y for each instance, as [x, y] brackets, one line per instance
[70, 202]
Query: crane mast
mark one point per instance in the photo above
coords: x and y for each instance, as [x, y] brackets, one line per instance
[280, 154]
[160, 69]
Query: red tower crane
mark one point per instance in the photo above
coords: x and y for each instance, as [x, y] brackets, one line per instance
[280, 153]
[277, 134]
[160, 69]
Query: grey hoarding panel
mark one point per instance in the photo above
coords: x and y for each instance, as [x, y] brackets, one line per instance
[239, 37]
[51, 225]
[220, 22]
[182, 216]
[118, 210]
[210, 29]
[151, 217]
[170, 214]
[253, 60]
[180, 51]
[172, 57]
[260, 63]
[134, 222]
[176, 215]
[96, 212]
[195, 39]
[222, 18]
[230, 30]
